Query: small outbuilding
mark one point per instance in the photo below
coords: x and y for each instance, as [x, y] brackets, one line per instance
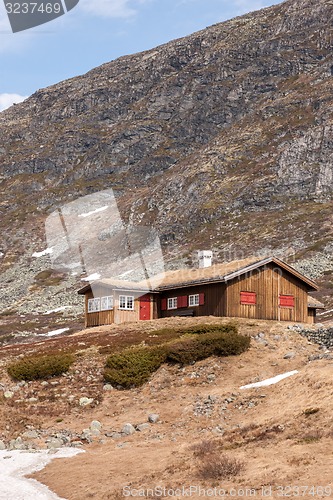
[250, 288]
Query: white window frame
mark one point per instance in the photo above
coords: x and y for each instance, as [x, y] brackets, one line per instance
[107, 303]
[194, 300]
[94, 305]
[172, 303]
[126, 302]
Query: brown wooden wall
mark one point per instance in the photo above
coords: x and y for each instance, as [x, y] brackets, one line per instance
[97, 318]
[116, 315]
[220, 299]
[214, 300]
[311, 315]
[268, 283]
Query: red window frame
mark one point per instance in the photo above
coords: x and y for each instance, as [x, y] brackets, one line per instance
[248, 298]
[287, 301]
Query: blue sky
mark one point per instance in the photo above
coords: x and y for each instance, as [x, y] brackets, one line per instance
[97, 31]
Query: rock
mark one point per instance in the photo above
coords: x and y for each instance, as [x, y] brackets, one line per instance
[107, 387]
[76, 444]
[30, 435]
[153, 418]
[128, 429]
[8, 394]
[85, 401]
[116, 435]
[54, 443]
[289, 355]
[2, 446]
[17, 444]
[218, 430]
[142, 427]
[95, 425]
[33, 400]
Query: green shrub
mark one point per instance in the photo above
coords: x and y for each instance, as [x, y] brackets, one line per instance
[40, 367]
[187, 350]
[225, 344]
[196, 329]
[191, 349]
[133, 367]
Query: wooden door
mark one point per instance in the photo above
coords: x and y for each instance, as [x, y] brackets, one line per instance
[145, 307]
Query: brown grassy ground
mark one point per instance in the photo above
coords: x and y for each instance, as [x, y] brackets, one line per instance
[270, 430]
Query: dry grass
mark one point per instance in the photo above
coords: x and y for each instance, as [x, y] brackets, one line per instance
[219, 466]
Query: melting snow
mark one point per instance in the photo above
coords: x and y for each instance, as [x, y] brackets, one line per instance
[270, 381]
[56, 332]
[48, 251]
[94, 211]
[92, 277]
[16, 464]
[58, 309]
[325, 312]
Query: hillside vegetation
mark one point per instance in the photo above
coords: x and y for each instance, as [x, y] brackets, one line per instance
[189, 424]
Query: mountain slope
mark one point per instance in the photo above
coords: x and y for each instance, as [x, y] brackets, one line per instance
[225, 136]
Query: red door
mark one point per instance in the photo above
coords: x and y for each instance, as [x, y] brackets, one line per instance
[145, 306]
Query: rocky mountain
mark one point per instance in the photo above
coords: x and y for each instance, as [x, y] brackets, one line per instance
[220, 140]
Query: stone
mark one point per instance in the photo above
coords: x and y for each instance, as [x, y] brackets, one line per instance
[142, 427]
[2, 446]
[17, 444]
[289, 355]
[8, 394]
[54, 443]
[30, 434]
[85, 401]
[116, 435]
[128, 429]
[95, 425]
[153, 418]
[107, 387]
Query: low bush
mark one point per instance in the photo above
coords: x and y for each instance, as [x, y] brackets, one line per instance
[190, 349]
[40, 367]
[219, 466]
[133, 367]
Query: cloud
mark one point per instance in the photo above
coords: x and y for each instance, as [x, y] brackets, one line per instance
[111, 8]
[6, 100]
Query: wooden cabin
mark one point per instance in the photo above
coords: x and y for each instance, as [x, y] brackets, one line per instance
[251, 288]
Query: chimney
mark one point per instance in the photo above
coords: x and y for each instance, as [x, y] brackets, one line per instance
[205, 258]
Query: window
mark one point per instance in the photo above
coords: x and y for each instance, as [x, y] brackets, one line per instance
[94, 305]
[107, 303]
[287, 301]
[248, 298]
[126, 302]
[172, 303]
[193, 300]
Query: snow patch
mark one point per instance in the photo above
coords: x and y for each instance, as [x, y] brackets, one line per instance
[56, 332]
[94, 211]
[92, 277]
[57, 310]
[48, 251]
[17, 464]
[325, 312]
[270, 381]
